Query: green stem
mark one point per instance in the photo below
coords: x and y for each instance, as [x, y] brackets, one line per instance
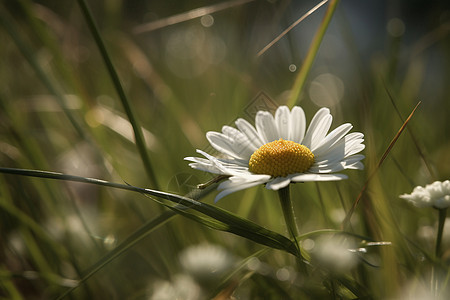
[442, 216]
[291, 223]
[435, 272]
[312, 53]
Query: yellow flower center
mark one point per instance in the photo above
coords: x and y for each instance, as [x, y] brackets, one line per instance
[280, 158]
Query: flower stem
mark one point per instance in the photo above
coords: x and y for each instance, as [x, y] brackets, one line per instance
[289, 218]
[442, 216]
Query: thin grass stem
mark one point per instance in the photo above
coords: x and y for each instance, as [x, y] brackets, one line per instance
[8, 24]
[312, 53]
[138, 135]
[347, 218]
[275, 40]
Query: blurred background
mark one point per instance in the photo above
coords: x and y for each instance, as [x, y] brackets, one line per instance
[188, 67]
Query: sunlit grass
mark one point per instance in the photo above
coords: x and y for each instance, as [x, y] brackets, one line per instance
[63, 233]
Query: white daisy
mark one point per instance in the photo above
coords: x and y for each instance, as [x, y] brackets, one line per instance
[436, 195]
[280, 150]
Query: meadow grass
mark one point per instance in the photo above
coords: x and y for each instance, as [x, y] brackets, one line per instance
[100, 103]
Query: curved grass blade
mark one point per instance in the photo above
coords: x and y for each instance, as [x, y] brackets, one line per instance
[235, 223]
[241, 227]
[215, 217]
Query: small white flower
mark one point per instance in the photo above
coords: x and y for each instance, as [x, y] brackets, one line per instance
[181, 287]
[206, 262]
[334, 254]
[436, 195]
[281, 150]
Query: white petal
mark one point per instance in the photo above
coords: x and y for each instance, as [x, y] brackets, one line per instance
[355, 166]
[216, 163]
[235, 145]
[446, 187]
[352, 159]
[298, 125]
[318, 128]
[197, 159]
[234, 162]
[353, 149]
[248, 178]
[320, 131]
[278, 183]
[354, 136]
[206, 168]
[241, 145]
[351, 162]
[228, 163]
[349, 145]
[282, 120]
[251, 133]
[265, 124]
[332, 138]
[221, 143]
[339, 164]
[337, 154]
[318, 177]
[231, 188]
[327, 168]
[203, 165]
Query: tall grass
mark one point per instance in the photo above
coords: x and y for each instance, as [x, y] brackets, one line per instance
[97, 114]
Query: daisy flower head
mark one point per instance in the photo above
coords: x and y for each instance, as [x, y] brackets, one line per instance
[436, 195]
[279, 150]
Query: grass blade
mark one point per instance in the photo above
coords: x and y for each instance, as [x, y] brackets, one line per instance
[312, 53]
[7, 23]
[139, 137]
[234, 223]
[132, 240]
[275, 40]
[189, 15]
[346, 221]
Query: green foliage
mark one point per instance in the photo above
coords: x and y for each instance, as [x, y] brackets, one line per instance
[97, 112]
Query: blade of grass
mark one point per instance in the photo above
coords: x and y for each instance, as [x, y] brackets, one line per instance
[7, 205]
[243, 228]
[129, 242]
[235, 223]
[138, 135]
[7, 23]
[312, 53]
[41, 21]
[413, 137]
[189, 15]
[346, 221]
[132, 240]
[275, 40]
[10, 291]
